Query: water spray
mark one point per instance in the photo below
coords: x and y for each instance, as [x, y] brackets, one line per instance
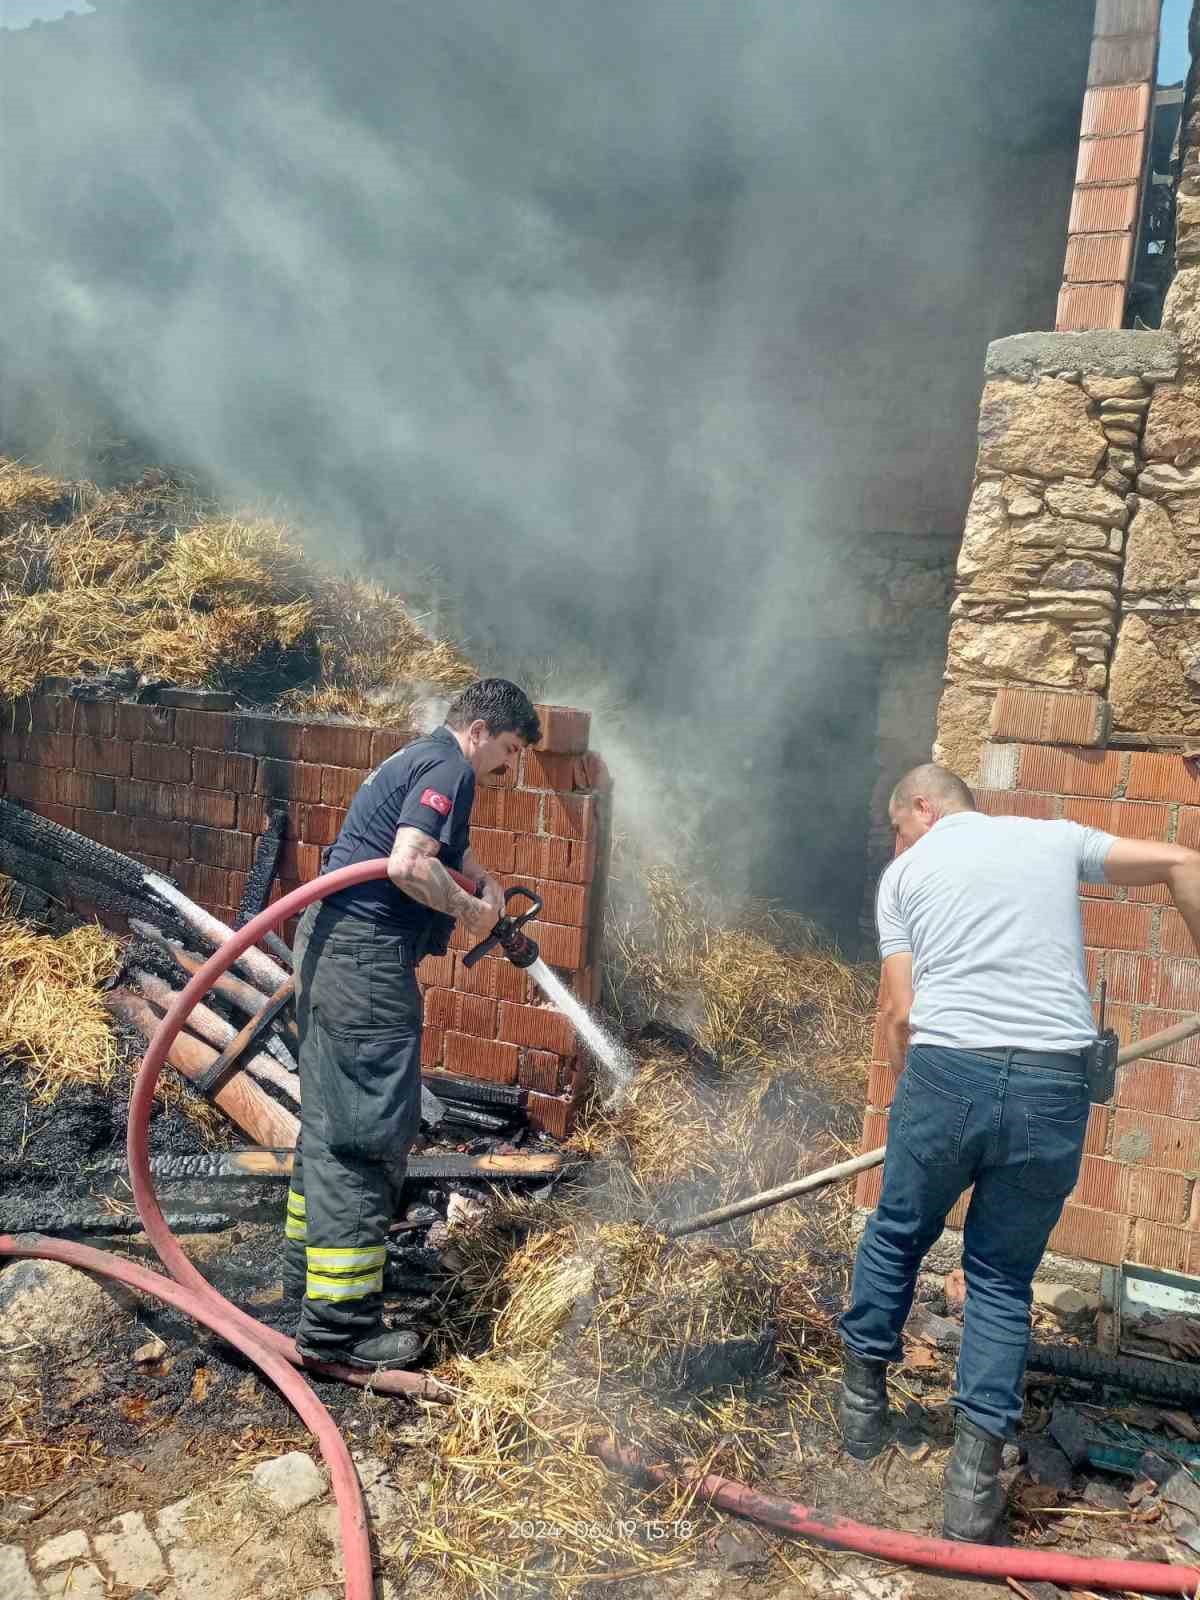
[522, 950]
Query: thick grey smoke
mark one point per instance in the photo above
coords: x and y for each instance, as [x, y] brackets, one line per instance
[627, 318]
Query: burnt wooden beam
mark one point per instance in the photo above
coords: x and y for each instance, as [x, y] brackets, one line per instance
[264, 1162]
[247, 1106]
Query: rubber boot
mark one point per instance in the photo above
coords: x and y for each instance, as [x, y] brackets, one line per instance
[974, 1494]
[863, 1412]
[384, 1351]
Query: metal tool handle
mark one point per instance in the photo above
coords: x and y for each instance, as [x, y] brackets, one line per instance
[874, 1158]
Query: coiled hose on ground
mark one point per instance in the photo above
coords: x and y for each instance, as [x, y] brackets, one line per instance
[276, 1356]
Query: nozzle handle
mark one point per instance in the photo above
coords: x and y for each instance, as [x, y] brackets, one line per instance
[507, 925]
[525, 916]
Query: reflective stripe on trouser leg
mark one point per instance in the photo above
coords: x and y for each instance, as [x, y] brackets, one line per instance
[295, 1227]
[295, 1232]
[347, 1274]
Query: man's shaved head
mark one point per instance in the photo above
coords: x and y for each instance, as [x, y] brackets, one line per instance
[922, 797]
[935, 783]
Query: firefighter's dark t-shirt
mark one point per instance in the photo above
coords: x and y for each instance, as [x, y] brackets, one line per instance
[429, 785]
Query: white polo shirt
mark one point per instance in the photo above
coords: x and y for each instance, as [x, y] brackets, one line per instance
[989, 909]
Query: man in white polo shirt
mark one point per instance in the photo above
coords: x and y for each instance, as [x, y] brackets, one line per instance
[988, 1020]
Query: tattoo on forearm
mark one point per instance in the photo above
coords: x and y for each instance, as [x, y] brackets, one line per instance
[426, 880]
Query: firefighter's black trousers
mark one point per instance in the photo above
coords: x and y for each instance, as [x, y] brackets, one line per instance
[358, 1007]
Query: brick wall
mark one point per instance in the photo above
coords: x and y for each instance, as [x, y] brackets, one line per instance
[1113, 146]
[188, 792]
[1137, 1198]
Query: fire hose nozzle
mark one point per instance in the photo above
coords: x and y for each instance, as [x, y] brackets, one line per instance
[509, 932]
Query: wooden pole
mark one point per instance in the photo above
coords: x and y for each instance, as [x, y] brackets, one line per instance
[873, 1158]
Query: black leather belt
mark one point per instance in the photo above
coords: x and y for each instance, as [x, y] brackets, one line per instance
[1063, 1060]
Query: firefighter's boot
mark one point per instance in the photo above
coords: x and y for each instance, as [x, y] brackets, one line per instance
[385, 1351]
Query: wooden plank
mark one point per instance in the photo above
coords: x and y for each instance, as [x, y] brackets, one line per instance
[212, 1077]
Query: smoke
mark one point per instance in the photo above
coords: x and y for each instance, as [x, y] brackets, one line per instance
[628, 320]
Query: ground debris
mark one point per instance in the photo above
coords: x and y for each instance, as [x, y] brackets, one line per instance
[1046, 1464]
[954, 1287]
[944, 1333]
[1182, 1490]
[1177, 1334]
[150, 1353]
[1068, 1432]
[1103, 1495]
[1032, 1589]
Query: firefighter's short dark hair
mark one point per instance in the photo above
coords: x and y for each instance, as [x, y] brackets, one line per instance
[502, 705]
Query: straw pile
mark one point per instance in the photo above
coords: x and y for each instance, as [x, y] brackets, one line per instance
[579, 1318]
[29, 1461]
[52, 1018]
[54, 1024]
[25, 495]
[151, 577]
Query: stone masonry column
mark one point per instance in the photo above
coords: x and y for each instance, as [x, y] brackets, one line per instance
[1042, 560]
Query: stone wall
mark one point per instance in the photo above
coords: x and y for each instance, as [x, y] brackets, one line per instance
[1062, 499]
[1155, 680]
[188, 792]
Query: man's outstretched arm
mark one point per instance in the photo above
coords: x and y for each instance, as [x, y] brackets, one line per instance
[1136, 862]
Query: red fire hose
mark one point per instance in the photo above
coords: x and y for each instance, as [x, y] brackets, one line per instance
[273, 1353]
[978, 1560]
[208, 1309]
[276, 1356]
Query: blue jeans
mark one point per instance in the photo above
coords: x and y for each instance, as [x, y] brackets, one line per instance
[1017, 1134]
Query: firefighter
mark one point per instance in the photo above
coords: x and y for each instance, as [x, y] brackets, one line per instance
[359, 1012]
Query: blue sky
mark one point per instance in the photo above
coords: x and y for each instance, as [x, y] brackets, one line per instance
[1172, 49]
[1172, 57]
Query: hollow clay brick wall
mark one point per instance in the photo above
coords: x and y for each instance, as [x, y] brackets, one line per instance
[188, 792]
[1137, 1198]
[1114, 135]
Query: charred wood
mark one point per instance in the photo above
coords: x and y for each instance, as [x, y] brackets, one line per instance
[246, 1105]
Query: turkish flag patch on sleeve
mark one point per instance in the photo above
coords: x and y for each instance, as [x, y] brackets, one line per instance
[439, 802]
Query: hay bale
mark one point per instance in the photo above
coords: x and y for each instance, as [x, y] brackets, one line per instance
[151, 577]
